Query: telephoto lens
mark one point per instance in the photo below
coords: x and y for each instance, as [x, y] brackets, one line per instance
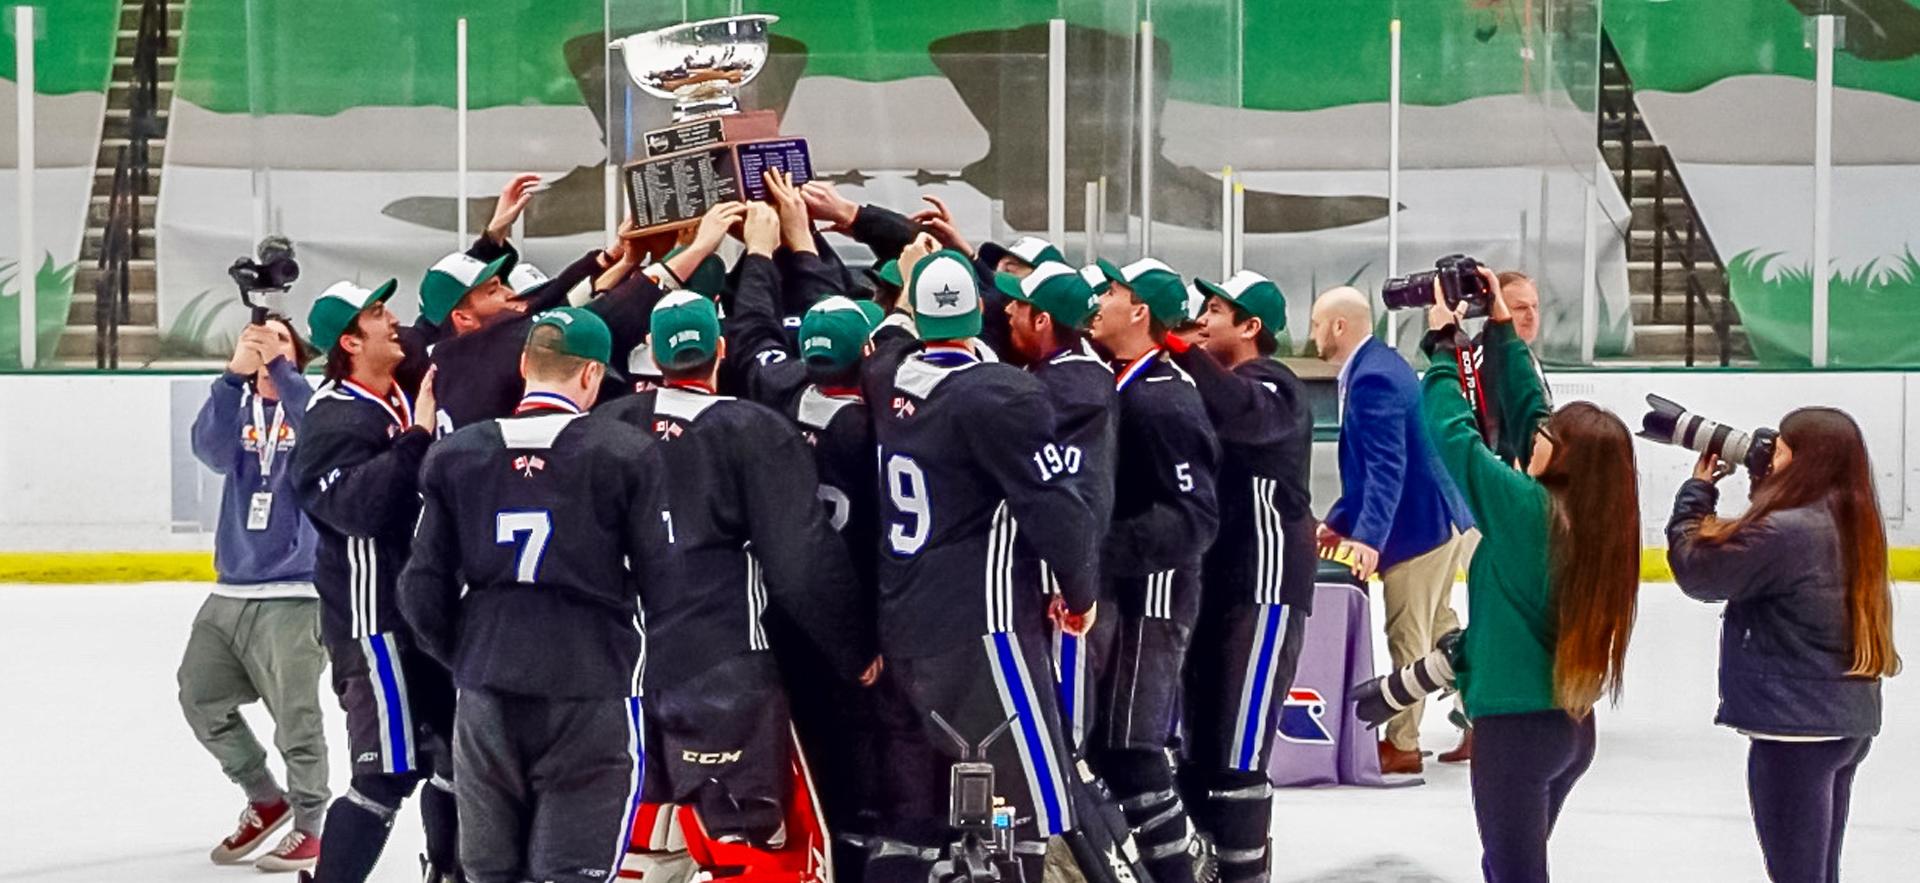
[1375, 702]
[1668, 423]
[1460, 283]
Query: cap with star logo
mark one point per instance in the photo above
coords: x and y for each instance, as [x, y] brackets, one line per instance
[945, 297]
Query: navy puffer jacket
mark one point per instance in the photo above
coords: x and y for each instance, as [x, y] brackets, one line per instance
[1785, 646]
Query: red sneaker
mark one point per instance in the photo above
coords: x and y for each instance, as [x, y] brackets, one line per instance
[298, 851]
[257, 822]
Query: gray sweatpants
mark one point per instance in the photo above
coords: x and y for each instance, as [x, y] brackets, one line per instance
[267, 650]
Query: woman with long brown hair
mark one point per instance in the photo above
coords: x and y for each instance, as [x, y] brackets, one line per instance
[1808, 631]
[1550, 591]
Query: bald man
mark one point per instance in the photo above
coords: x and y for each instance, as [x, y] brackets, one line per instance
[1398, 513]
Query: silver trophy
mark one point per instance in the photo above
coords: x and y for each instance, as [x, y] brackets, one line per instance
[714, 151]
[700, 66]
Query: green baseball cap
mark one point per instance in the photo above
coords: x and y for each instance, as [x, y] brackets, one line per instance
[1030, 250]
[1052, 288]
[582, 333]
[945, 296]
[708, 278]
[889, 273]
[335, 308]
[1253, 293]
[450, 280]
[1096, 275]
[1154, 284]
[834, 331]
[685, 330]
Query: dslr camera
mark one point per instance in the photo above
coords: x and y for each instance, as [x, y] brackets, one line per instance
[1460, 283]
[272, 269]
[1670, 424]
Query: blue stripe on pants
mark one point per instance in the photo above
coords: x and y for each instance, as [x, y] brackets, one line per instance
[1037, 747]
[389, 686]
[1263, 669]
[636, 749]
[1069, 680]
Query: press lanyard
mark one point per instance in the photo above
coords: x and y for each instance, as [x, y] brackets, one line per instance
[402, 415]
[1135, 368]
[267, 439]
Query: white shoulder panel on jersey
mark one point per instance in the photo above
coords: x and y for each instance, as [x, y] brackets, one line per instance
[674, 402]
[1082, 353]
[917, 377]
[817, 409]
[534, 433]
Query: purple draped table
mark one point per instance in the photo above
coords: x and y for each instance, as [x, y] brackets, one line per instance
[1321, 742]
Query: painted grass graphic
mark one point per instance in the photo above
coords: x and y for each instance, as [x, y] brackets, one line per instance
[53, 289]
[1872, 321]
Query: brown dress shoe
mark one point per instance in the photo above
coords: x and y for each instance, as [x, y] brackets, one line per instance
[1394, 761]
[1462, 753]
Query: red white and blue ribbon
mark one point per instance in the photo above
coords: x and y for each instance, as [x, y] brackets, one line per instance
[398, 407]
[1136, 368]
[546, 401]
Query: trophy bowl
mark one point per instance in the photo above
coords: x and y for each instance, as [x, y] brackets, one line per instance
[700, 65]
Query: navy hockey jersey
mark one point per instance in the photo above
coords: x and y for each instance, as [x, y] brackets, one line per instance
[1079, 386]
[968, 466]
[1264, 553]
[745, 530]
[552, 521]
[356, 472]
[1165, 512]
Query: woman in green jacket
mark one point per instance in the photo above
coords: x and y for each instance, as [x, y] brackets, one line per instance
[1550, 592]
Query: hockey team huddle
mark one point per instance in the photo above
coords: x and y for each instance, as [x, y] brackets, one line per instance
[661, 566]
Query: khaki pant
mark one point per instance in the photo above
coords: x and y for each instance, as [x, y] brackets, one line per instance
[242, 651]
[1419, 608]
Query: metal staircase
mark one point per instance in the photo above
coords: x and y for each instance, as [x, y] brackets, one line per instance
[1682, 309]
[114, 318]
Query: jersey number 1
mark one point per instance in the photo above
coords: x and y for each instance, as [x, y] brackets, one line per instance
[536, 525]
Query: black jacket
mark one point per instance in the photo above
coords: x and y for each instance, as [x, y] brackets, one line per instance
[1784, 646]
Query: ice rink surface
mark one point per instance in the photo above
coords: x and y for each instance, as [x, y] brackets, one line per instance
[101, 780]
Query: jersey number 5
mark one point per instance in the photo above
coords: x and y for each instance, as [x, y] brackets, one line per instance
[536, 525]
[908, 487]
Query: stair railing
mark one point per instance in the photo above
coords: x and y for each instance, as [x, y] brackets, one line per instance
[132, 179]
[1680, 226]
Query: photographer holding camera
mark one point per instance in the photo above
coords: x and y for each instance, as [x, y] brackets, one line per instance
[1808, 631]
[257, 636]
[1551, 593]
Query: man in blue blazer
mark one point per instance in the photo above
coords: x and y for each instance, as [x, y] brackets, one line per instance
[1398, 513]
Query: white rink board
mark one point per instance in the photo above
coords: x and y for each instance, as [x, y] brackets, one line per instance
[104, 781]
[101, 462]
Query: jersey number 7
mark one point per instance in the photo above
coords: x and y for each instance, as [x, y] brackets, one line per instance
[528, 529]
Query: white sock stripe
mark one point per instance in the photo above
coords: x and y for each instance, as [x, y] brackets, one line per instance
[406, 701]
[1003, 684]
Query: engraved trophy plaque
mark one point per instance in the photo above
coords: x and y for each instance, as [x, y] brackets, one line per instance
[714, 152]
